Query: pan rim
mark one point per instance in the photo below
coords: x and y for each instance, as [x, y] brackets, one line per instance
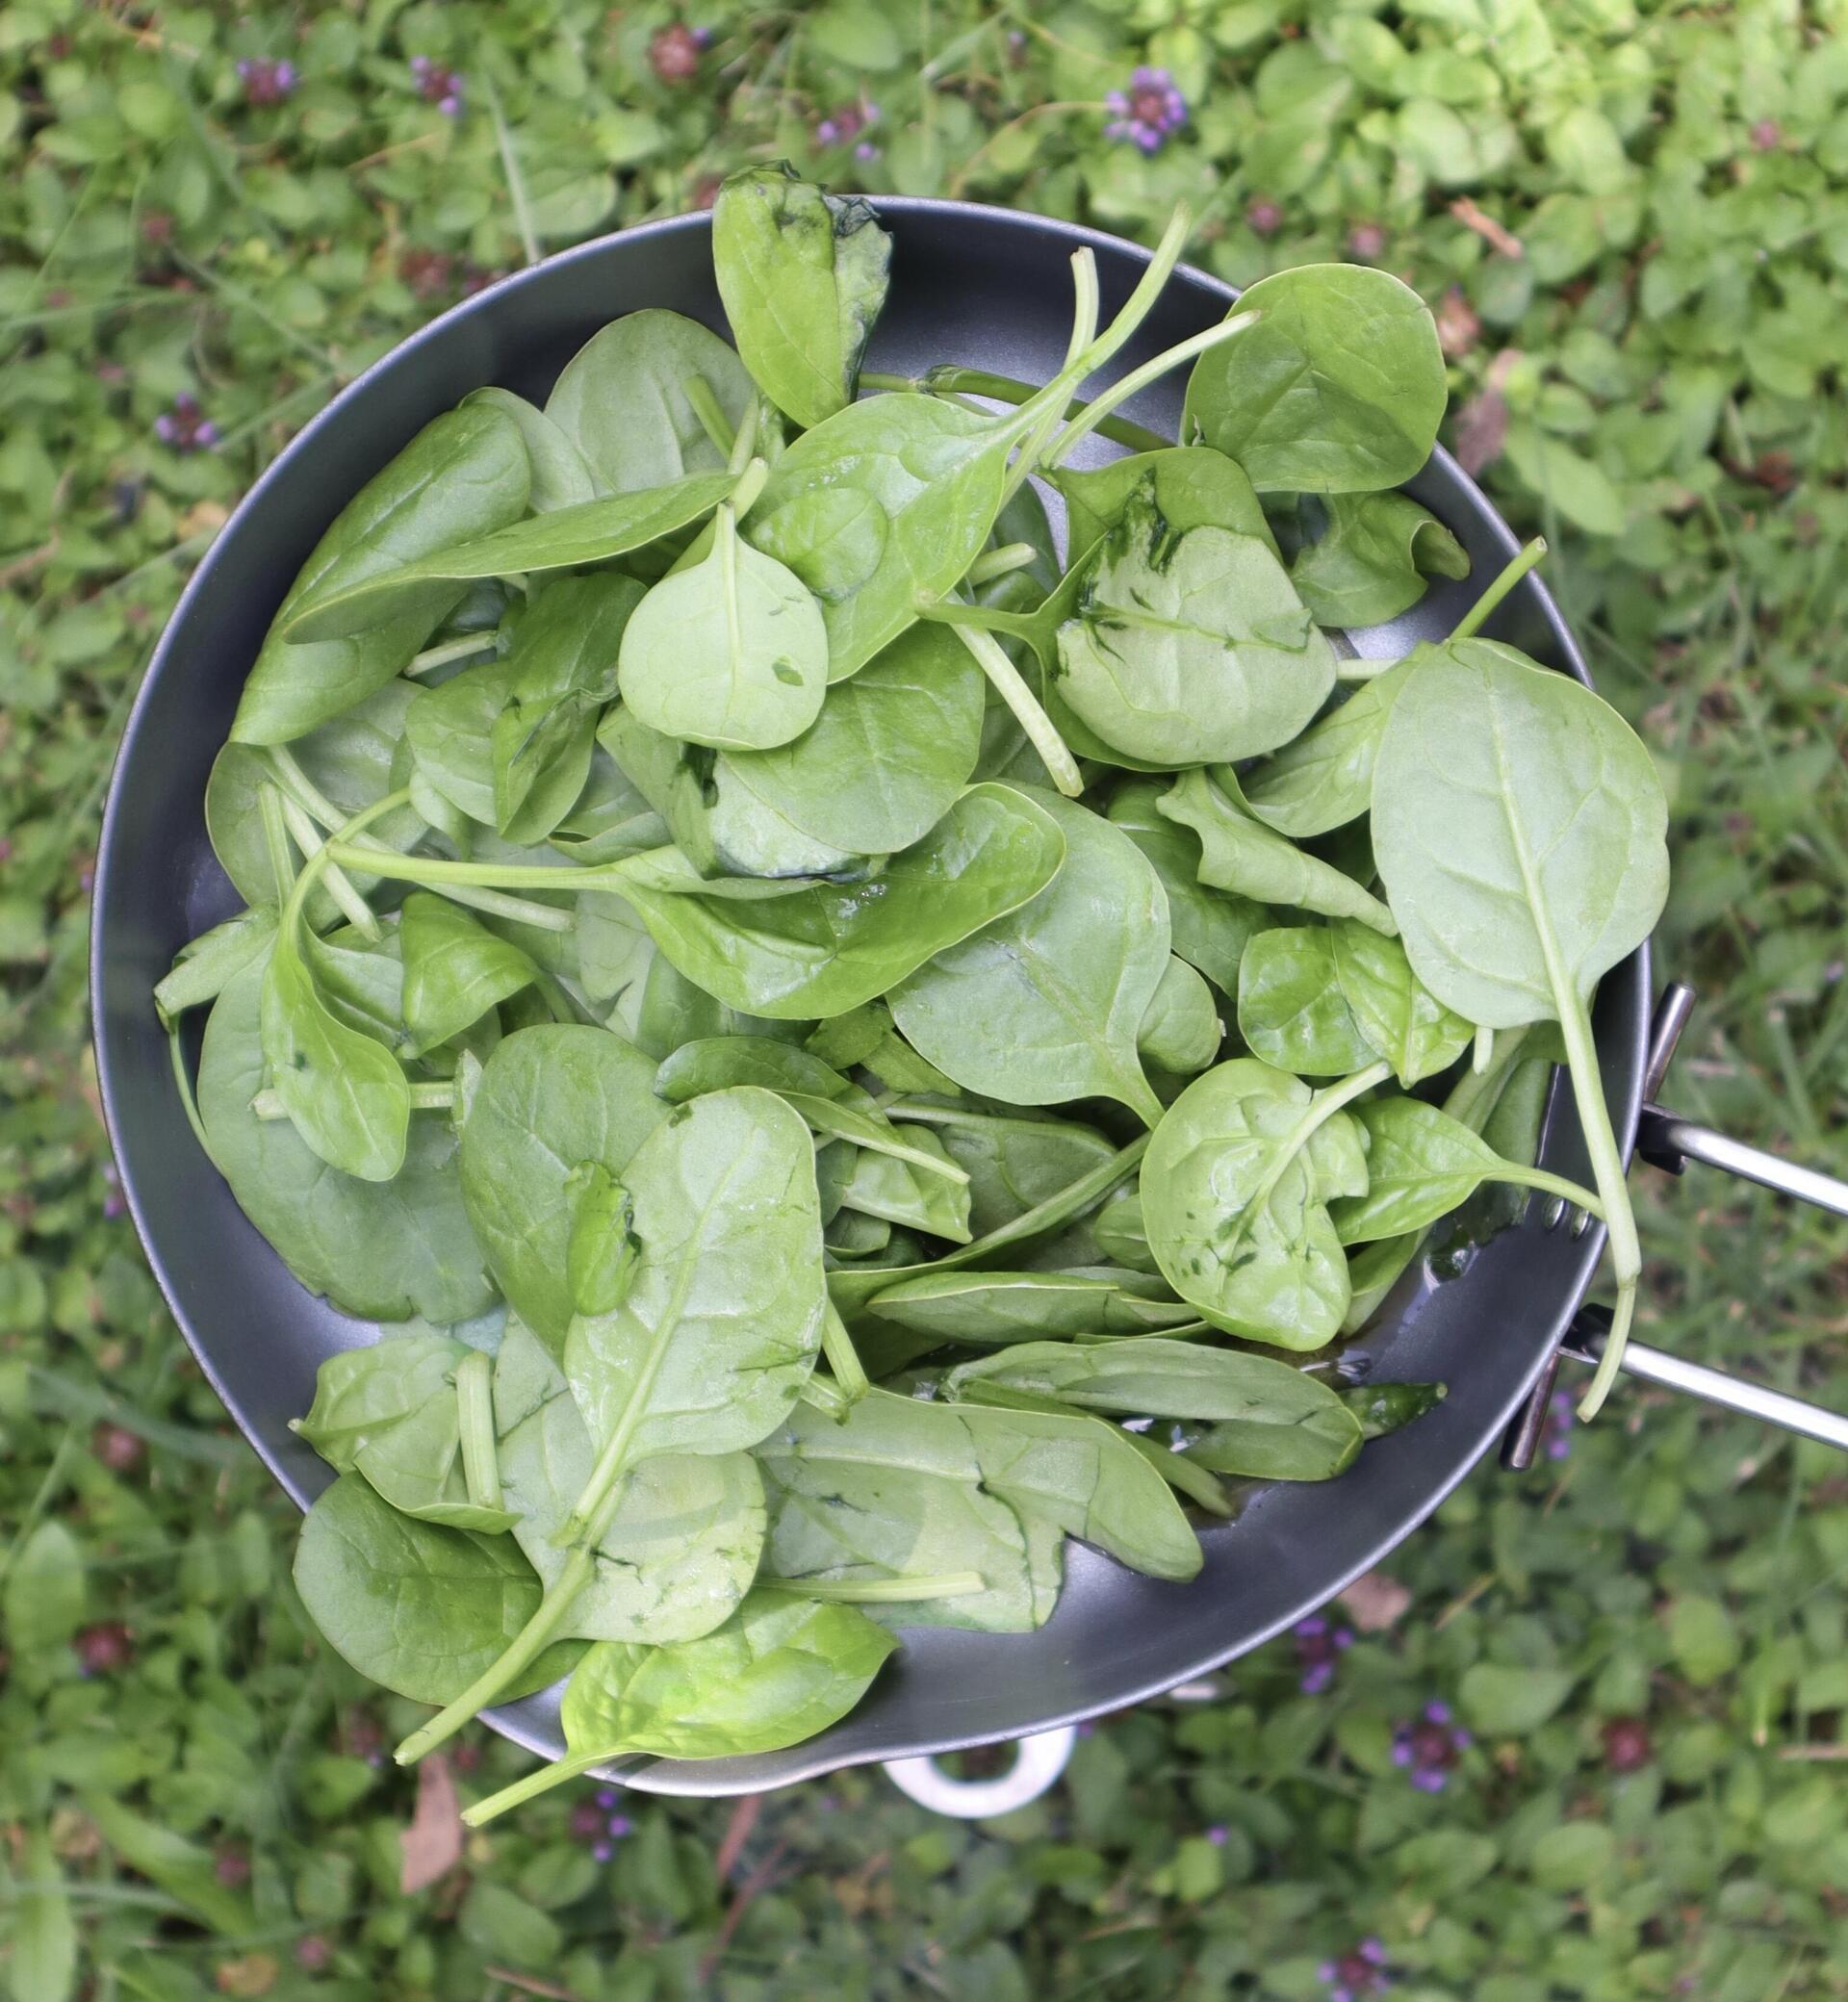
[691, 1779]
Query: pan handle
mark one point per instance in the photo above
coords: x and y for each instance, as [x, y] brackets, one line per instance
[1668, 1141]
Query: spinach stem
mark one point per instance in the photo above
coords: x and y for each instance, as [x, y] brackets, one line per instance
[275, 837]
[1607, 1171]
[1002, 562]
[541, 1781]
[744, 446]
[520, 1653]
[1066, 1203]
[433, 657]
[953, 382]
[1362, 670]
[1549, 1184]
[1323, 1106]
[176, 1050]
[1083, 337]
[1012, 687]
[843, 1358]
[713, 422]
[474, 1411]
[438, 873]
[307, 837]
[1137, 379]
[750, 485]
[825, 1117]
[821, 1392]
[1479, 613]
[1199, 1484]
[879, 1591]
[1482, 1048]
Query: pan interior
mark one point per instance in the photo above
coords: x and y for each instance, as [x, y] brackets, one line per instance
[991, 290]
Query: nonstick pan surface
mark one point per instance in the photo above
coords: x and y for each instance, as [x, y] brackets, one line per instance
[991, 290]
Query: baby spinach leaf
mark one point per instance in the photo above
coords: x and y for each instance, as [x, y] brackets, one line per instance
[683, 1545]
[1315, 1442]
[885, 1185]
[1241, 853]
[611, 818]
[1044, 1005]
[1190, 485]
[592, 531]
[1384, 1407]
[465, 473]
[560, 477]
[803, 277]
[1012, 1164]
[451, 733]
[550, 1097]
[1338, 388]
[1181, 1032]
[1370, 561]
[1394, 1012]
[885, 1493]
[1519, 824]
[1147, 1377]
[732, 652]
[345, 1092]
[723, 1322]
[1211, 927]
[390, 1412]
[206, 965]
[1235, 1207]
[1325, 779]
[887, 756]
[1292, 1009]
[1121, 1232]
[621, 400]
[824, 948]
[998, 1307]
[1422, 1165]
[716, 1063]
[454, 970]
[380, 1250]
[1189, 648]
[417, 1607]
[602, 1250]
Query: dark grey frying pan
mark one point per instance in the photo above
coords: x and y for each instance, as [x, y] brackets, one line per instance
[972, 285]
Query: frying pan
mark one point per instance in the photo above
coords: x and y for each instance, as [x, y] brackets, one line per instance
[991, 290]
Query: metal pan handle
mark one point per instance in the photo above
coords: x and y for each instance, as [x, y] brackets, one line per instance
[1668, 1141]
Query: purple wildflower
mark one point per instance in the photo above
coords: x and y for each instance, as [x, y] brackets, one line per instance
[865, 150]
[1430, 1748]
[113, 1203]
[265, 82]
[186, 428]
[592, 1822]
[1149, 112]
[438, 85]
[1358, 1973]
[1556, 1435]
[1320, 1648]
[673, 53]
[846, 122]
[1217, 1834]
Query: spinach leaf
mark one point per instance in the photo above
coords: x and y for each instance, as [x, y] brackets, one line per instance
[392, 1413]
[621, 400]
[385, 1250]
[1181, 1032]
[1236, 1207]
[681, 1550]
[1394, 1012]
[780, 1670]
[887, 756]
[1189, 648]
[451, 733]
[1241, 853]
[549, 1098]
[1211, 927]
[998, 1307]
[1384, 1407]
[601, 1252]
[803, 277]
[358, 595]
[1325, 779]
[1370, 561]
[1121, 1233]
[1338, 389]
[885, 1185]
[1012, 1164]
[1519, 824]
[732, 652]
[716, 1063]
[1044, 1005]
[464, 474]
[560, 477]
[827, 947]
[454, 970]
[1147, 1377]
[610, 819]
[1190, 485]
[1422, 1165]
[206, 965]
[723, 1323]
[1292, 1009]
[417, 1607]
[1318, 1442]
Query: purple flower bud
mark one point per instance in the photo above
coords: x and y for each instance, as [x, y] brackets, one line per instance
[1217, 1834]
[826, 132]
[602, 1852]
[1149, 112]
[865, 150]
[621, 1825]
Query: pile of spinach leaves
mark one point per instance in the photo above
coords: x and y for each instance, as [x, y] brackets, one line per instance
[809, 1055]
